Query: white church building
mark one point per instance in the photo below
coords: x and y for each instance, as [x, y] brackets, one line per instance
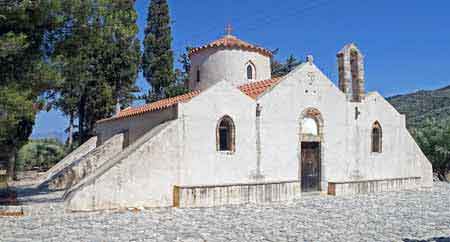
[242, 136]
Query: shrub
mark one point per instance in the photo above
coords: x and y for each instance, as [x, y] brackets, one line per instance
[40, 154]
[434, 140]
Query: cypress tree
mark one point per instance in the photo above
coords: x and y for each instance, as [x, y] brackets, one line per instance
[157, 62]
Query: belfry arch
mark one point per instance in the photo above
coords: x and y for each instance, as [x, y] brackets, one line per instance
[351, 73]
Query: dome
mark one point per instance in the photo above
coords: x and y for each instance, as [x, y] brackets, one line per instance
[228, 58]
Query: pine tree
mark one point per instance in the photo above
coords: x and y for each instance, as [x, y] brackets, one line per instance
[180, 86]
[281, 69]
[157, 61]
[99, 57]
[291, 63]
[26, 75]
[185, 62]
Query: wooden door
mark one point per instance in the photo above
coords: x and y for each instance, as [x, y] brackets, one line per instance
[310, 168]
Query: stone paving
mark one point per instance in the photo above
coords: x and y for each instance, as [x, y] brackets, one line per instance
[403, 216]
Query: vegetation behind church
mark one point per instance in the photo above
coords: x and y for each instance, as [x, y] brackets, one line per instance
[428, 119]
[157, 59]
[423, 105]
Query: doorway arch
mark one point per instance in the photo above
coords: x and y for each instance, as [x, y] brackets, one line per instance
[310, 146]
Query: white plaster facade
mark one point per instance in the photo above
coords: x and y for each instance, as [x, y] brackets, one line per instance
[178, 146]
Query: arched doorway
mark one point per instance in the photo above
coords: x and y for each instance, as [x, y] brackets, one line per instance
[311, 136]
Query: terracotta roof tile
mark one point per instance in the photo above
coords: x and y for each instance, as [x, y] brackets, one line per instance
[254, 89]
[230, 41]
[158, 105]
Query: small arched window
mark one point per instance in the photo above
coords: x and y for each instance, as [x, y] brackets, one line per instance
[309, 126]
[198, 75]
[249, 72]
[377, 138]
[225, 134]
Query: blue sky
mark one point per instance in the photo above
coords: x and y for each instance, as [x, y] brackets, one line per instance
[406, 42]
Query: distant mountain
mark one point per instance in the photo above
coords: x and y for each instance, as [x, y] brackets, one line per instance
[61, 136]
[422, 105]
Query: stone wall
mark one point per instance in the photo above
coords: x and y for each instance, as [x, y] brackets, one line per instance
[373, 186]
[74, 156]
[183, 151]
[346, 143]
[135, 126]
[76, 171]
[202, 162]
[228, 194]
[142, 175]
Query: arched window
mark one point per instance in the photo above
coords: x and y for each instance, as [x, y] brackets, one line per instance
[309, 126]
[249, 72]
[225, 134]
[377, 138]
[198, 75]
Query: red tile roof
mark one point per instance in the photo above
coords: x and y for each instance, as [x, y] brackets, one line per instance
[253, 90]
[158, 105]
[230, 41]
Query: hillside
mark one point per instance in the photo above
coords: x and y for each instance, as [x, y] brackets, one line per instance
[422, 105]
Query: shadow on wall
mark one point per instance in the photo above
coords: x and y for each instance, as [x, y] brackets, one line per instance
[437, 239]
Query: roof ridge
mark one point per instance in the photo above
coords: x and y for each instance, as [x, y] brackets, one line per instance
[153, 106]
[232, 42]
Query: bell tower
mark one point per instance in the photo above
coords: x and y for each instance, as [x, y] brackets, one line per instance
[351, 73]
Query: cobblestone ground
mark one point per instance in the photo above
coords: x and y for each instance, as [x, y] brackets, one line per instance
[401, 216]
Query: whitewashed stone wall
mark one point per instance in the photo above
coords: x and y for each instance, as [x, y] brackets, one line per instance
[142, 175]
[87, 164]
[346, 188]
[202, 163]
[75, 155]
[346, 144]
[226, 64]
[228, 194]
[183, 152]
[136, 125]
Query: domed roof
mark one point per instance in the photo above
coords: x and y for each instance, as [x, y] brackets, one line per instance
[230, 41]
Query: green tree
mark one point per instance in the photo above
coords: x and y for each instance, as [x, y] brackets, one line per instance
[122, 55]
[40, 154]
[157, 60]
[183, 74]
[434, 140]
[16, 123]
[27, 77]
[180, 86]
[98, 56]
[291, 63]
[280, 69]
